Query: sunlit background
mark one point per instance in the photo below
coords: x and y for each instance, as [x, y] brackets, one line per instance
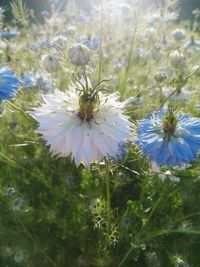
[186, 6]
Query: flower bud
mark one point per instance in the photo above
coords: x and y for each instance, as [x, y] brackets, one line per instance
[178, 34]
[79, 55]
[59, 41]
[160, 76]
[177, 59]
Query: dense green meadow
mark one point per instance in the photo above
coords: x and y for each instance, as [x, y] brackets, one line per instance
[69, 202]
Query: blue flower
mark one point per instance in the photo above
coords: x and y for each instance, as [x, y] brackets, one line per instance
[32, 80]
[83, 18]
[191, 43]
[121, 153]
[8, 35]
[45, 13]
[9, 83]
[168, 138]
[165, 43]
[45, 44]
[91, 43]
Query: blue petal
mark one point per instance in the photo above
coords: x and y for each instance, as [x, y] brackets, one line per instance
[162, 155]
[9, 83]
[192, 126]
[180, 150]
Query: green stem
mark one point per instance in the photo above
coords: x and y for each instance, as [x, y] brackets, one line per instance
[108, 226]
[130, 51]
[161, 94]
[157, 234]
[26, 27]
[126, 256]
[101, 42]
[26, 115]
[35, 242]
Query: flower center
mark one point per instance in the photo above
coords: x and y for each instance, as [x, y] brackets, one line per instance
[169, 123]
[88, 104]
[89, 99]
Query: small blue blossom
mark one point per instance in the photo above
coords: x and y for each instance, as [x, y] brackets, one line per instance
[168, 138]
[34, 47]
[165, 42]
[9, 83]
[91, 43]
[8, 35]
[191, 43]
[141, 53]
[69, 31]
[45, 44]
[120, 63]
[121, 153]
[45, 13]
[33, 80]
[179, 34]
[83, 18]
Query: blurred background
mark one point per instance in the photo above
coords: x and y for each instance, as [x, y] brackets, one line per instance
[186, 6]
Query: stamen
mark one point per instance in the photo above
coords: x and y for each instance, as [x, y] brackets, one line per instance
[99, 84]
[99, 90]
[169, 123]
[78, 82]
[86, 80]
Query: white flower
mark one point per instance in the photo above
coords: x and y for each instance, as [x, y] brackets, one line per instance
[85, 126]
